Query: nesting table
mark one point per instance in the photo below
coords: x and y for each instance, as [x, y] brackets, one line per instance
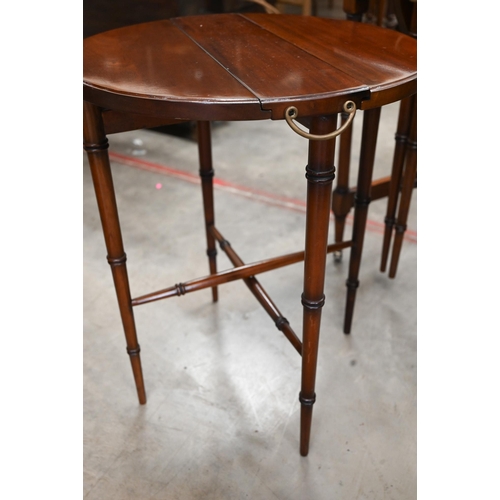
[228, 67]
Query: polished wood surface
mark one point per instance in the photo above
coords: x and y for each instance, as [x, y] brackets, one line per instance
[155, 69]
[246, 67]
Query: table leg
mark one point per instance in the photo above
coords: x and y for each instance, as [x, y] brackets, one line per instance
[342, 197]
[408, 183]
[320, 173]
[369, 135]
[401, 139]
[96, 145]
[207, 175]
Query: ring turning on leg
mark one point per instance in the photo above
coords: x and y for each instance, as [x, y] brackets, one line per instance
[371, 120]
[320, 174]
[207, 174]
[96, 144]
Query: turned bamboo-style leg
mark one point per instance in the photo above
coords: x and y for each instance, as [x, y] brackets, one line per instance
[371, 120]
[320, 173]
[409, 177]
[96, 145]
[342, 196]
[401, 138]
[207, 175]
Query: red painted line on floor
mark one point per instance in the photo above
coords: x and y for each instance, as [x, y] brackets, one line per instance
[254, 194]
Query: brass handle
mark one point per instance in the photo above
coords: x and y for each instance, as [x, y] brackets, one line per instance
[292, 112]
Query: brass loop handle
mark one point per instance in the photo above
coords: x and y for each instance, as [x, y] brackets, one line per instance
[292, 112]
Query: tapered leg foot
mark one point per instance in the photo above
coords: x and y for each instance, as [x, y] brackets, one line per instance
[369, 135]
[306, 412]
[320, 173]
[350, 300]
[96, 145]
[135, 362]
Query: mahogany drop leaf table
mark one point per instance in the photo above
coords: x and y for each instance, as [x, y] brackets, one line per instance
[246, 67]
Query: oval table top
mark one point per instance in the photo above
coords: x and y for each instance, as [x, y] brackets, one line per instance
[247, 67]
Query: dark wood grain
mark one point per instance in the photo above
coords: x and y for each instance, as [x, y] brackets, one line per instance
[381, 59]
[278, 71]
[153, 68]
[247, 67]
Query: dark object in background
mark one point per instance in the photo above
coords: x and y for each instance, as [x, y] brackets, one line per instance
[104, 15]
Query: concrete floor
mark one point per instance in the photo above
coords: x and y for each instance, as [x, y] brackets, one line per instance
[222, 418]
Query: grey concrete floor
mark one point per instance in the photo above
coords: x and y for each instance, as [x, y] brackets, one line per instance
[222, 417]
